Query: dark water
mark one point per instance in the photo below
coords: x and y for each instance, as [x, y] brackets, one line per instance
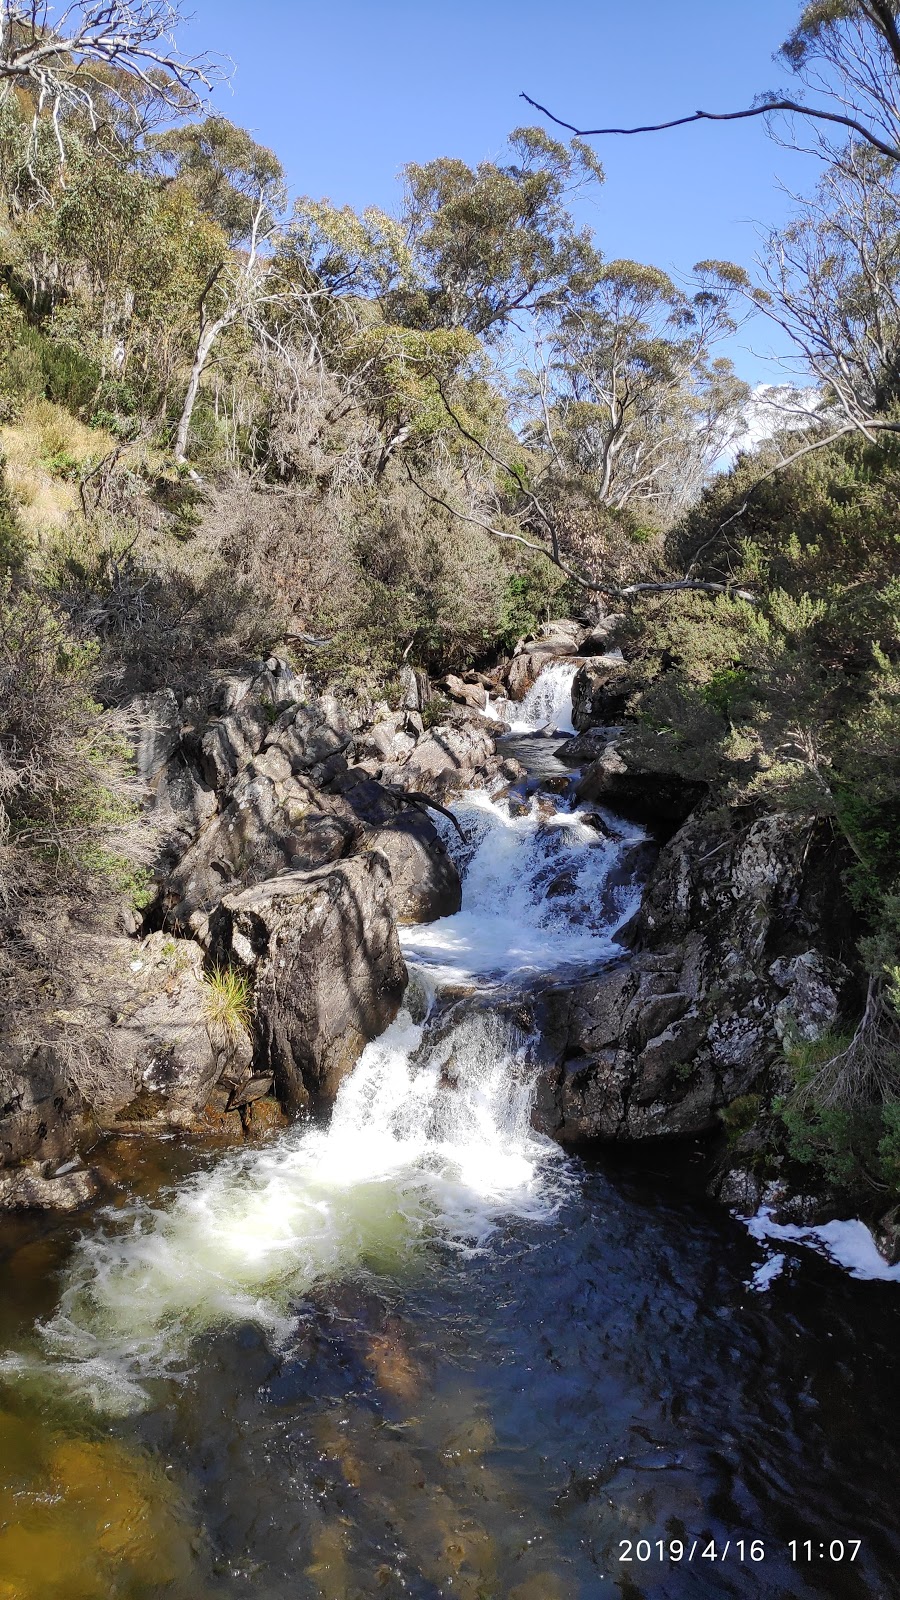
[501, 1422]
[495, 1427]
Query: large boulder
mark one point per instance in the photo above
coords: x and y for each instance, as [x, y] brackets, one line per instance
[327, 970]
[741, 939]
[164, 1048]
[650, 790]
[600, 692]
[137, 1042]
[274, 821]
[425, 883]
[449, 757]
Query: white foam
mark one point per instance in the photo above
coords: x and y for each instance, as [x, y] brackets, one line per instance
[547, 706]
[848, 1244]
[419, 1147]
[430, 1138]
[537, 895]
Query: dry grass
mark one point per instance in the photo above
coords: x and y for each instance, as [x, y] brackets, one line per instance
[46, 451]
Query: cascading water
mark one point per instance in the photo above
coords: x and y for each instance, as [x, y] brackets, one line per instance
[546, 706]
[395, 1378]
[413, 1152]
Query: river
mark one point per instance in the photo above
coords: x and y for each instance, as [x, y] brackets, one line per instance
[423, 1352]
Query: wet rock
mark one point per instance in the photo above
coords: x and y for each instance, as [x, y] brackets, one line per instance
[425, 883]
[724, 965]
[31, 1188]
[322, 950]
[740, 1190]
[626, 782]
[581, 749]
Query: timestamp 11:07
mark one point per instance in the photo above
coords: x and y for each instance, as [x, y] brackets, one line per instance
[818, 1550]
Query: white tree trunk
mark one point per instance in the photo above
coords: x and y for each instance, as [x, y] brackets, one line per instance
[209, 333]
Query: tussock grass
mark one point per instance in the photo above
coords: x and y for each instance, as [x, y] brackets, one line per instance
[227, 1001]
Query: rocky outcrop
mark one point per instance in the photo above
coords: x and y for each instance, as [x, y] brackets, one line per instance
[640, 785]
[731, 951]
[163, 1050]
[36, 1187]
[554, 641]
[274, 821]
[322, 952]
[601, 689]
[137, 1043]
[449, 757]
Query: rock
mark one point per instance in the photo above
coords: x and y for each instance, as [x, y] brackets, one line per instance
[154, 724]
[41, 1111]
[392, 739]
[229, 744]
[740, 1190]
[163, 1051]
[272, 822]
[466, 694]
[584, 747]
[448, 758]
[415, 689]
[816, 993]
[30, 1188]
[600, 692]
[425, 884]
[624, 782]
[724, 963]
[602, 635]
[313, 731]
[322, 950]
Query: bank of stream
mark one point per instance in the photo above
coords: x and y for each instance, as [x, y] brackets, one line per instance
[422, 1351]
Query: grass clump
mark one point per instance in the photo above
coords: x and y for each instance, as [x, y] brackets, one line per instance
[227, 1001]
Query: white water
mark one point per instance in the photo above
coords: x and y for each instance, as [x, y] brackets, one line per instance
[430, 1139]
[547, 704]
[537, 895]
[407, 1158]
[847, 1244]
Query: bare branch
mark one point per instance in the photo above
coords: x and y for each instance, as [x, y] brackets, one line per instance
[816, 113]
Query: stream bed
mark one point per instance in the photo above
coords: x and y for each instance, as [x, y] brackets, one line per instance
[422, 1351]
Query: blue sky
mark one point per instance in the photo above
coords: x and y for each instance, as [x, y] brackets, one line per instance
[347, 92]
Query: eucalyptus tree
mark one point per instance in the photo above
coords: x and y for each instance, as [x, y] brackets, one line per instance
[238, 184]
[629, 398]
[75, 57]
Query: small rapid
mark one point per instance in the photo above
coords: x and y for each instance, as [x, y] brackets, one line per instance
[430, 1143]
[547, 705]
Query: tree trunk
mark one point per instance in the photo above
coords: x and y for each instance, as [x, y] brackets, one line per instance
[209, 333]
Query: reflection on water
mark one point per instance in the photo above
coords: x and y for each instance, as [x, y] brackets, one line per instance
[421, 1352]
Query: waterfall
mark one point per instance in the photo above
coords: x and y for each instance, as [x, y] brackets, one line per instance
[547, 705]
[429, 1145]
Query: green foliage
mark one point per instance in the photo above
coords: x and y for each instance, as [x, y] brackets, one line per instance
[531, 597]
[740, 1115]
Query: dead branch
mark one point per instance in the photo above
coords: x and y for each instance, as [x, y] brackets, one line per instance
[815, 113]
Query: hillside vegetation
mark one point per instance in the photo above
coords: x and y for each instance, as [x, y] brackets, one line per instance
[233, 423]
